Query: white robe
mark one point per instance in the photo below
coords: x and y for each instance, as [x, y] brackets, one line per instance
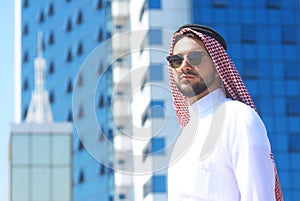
[222, 154]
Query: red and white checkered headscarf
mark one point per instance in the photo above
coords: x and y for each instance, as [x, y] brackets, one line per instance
[232, 81]
[233, 84]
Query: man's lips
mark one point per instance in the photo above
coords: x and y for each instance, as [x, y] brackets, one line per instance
[187, 76]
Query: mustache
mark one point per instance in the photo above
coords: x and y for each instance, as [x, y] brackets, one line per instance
[188, 74]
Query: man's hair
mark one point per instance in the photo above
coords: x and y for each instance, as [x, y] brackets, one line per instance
[205, 30]
[186, 34]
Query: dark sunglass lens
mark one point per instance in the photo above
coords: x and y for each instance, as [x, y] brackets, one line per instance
[175, 61]
[195, 58]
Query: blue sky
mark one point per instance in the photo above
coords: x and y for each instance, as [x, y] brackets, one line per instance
[6, 88]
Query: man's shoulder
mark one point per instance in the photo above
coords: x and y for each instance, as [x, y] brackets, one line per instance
[237, 105]
[238, 108]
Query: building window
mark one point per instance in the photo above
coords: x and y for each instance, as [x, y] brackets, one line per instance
[143, 45]
[25, 29]
[41, 17]
[157, 145]
[154, 4]
[159, 183]
[142, 10]
[51, 68]
[51, 97]
[144, 81]
[121, 162]
[250, 69]
[156, 72]
[101, 136]
[79, 48]
[51, 38]
[100, 35]
[25, 111]
[69, 87]
[292, 70]
[79, 17]
[146, 151]
[68, 26]
[79, 81]
[69, 56]
[294, 142]
[26, 57]
[219, 3]
[248, 34]
[101, 169]
[145, 117]
[156, 184]
[108, 34]
[25, 85]
[288, 36]
[80, 113]
[81, 177]
[70, 116]
[25, 3]
[154, 110]
[273, 4]
[80, 146]
[108, 100]
[157, 109]
[99, 4]
[122, 196]
[51, 9]
[109, 135]
[155, 36]
[101, 102]
[100, 69]
[293, 106]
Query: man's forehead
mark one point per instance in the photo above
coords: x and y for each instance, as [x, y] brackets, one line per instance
[204, 30]
[186, 44]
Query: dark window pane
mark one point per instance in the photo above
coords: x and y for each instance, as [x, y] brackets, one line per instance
[155, 36]
[159, 184]
[293, 106]
[294, 143]
[154, 4]
[156, 72]
[158, 145]
[157, 109]
[248, 34]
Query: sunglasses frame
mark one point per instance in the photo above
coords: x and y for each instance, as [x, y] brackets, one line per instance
[169, 58]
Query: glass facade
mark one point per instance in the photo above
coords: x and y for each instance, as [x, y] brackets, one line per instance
[263, 40]
[41, 163]
[71, 31]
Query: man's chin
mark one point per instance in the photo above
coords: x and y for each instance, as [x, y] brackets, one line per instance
[187, 91]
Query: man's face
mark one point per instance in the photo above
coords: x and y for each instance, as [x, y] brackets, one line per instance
[196, 80]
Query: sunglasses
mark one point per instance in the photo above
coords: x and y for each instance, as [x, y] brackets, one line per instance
[193, 58]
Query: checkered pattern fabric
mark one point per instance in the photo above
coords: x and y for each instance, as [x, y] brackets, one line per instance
[232, 81]
[233, 84]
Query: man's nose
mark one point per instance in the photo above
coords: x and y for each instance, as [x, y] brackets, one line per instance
[185, 66]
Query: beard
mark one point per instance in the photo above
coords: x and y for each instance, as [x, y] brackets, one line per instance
[193, 89]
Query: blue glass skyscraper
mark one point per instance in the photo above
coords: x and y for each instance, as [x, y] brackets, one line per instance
[263, 39]
[71, 30]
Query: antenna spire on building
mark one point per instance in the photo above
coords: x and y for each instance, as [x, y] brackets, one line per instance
[39, 110]
[40, 44]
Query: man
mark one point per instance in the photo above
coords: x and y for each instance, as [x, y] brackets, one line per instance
[229, 156]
